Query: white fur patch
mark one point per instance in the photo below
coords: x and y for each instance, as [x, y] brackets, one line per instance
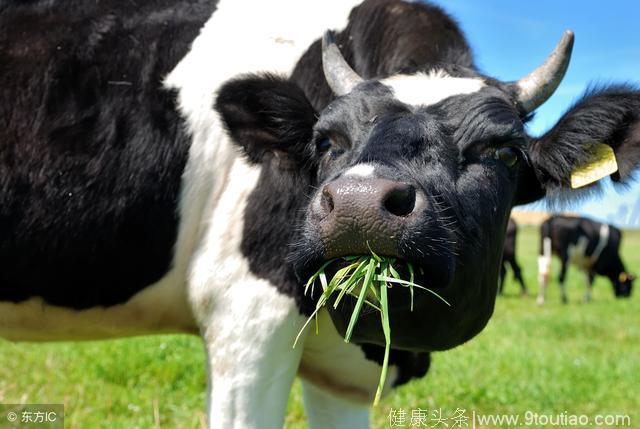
[338, 367]
[423, 89]
[544, 269]
[361, 170]
[544, 260]
[161, 308]
[325, 410]
[248, 327]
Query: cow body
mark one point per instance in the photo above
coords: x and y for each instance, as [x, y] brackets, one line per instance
[590, 246]
[160, 170]
[91, 184]
[509, 257]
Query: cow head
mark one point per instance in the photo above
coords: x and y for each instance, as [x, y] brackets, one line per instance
[622, 287]
[425, 166]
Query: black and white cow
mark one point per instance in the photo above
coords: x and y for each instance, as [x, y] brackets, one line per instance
[150, 183]
[591, 246]
[509, 257]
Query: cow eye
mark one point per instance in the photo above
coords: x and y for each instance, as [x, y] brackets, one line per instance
[508, 155]
[323, 145]
[327, 145]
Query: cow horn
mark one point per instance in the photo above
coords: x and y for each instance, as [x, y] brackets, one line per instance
[340, 77]
[535, 88]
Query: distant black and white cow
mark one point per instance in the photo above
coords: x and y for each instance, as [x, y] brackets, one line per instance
[591, 246]
[509, 257]
[148, 183]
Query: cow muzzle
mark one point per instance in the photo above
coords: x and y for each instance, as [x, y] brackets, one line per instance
[356, 216]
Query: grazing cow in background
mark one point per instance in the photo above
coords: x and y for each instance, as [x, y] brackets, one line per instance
[591, 246]
[151, 180]
[509, 256]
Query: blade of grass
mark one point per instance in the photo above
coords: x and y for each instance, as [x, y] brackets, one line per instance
[386, 329]
[406, 283]
[341, 273]
[374, 293]
[363, 293]
[394, 273]
[313, 278]
[347, 285]
[315, 313]
[372, 304]
[323, 281]
[377, 258]
[336, 281]
[411, 277]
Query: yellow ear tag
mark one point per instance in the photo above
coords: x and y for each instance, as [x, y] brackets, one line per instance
[602, 163]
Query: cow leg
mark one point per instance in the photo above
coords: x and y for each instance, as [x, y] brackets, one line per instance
[326, 410]
[543, 280]
[248, 333]
[517, 273]
[589, 292]
[503, 273]
[562, 277]
[544, 268]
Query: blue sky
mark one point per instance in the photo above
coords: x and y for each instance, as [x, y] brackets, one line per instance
[511, 38]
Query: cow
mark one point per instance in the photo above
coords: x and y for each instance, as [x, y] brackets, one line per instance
[591, 246]
[175, 166]
[509, 257]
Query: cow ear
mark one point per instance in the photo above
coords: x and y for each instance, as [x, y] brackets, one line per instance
[267, 114]
[601, 130]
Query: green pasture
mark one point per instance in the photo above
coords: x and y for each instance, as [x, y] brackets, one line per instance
[576, 359]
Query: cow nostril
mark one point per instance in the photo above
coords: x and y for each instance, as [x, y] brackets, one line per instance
[326, 201]
[401, 200]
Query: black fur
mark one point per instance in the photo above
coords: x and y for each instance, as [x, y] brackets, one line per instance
[410, 365]
[92, 149]
[385, 37]
[509, 257]
[268, 114]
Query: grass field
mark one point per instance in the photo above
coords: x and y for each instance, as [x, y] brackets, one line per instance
[576, 359]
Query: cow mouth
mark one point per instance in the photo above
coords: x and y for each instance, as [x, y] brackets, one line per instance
[399, 264]
[424, 276]
[400, 295]
[403, 301]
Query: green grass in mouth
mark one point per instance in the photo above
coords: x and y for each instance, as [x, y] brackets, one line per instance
[365, 278]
